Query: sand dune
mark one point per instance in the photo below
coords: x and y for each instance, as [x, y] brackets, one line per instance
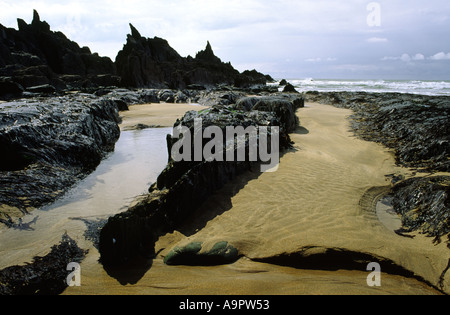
[313, 205]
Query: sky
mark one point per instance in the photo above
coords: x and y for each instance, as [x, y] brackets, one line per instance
[319, 39]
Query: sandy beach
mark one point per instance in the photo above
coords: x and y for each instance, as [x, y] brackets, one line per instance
[155, 115]
[321, 200]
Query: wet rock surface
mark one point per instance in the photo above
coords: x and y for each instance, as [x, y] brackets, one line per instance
[48, 144]
[183, 186]
[416, 128]
[45, 275]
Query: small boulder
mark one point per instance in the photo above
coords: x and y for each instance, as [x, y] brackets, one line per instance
[191, 255]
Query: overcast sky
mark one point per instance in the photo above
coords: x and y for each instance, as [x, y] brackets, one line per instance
[352, 39]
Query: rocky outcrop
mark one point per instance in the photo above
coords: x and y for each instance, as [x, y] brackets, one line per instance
[185, 184]
[424, 204]
[152, 63]
[34, 56]
[48, 144]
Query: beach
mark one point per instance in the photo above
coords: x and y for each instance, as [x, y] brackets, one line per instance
[319, 205]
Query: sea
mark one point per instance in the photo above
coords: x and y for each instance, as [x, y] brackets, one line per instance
[380, 86]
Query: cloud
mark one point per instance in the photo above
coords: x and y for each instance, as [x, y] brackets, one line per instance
[440, 56]
[329, 59]
[418, 57]
[377, 40]
[406, 58]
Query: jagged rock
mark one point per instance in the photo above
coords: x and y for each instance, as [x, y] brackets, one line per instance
[152, 63]
[34, 55]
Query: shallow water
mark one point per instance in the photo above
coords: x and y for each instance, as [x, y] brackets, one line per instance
[139, 157]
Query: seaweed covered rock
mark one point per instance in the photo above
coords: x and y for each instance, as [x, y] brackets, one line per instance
[47, 144]
[424, 204]
[45, 275]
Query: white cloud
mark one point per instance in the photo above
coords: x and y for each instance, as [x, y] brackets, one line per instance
[329, 59]
[377, 40]
[418, 57]
[440, 56]
[406, 58]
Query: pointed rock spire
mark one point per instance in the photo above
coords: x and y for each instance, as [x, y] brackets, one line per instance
[36, 17]
[134, 32]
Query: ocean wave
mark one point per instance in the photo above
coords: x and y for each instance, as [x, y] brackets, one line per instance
[380, 86]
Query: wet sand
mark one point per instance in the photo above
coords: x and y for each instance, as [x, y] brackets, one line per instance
[156, 115]
[322, 198]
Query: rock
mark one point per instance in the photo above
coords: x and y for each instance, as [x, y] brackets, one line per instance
[153, 63]
[50, 143]
[284, 106]
[42, 89]
[45, 275]
[192, 255]
[289, 88]
[283, 82]
[34, 55]
[9, 88]
[424, 204]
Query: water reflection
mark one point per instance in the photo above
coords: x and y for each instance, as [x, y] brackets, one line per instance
[139, 157]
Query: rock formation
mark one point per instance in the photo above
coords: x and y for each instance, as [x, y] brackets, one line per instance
[152, 63]
[34, 56]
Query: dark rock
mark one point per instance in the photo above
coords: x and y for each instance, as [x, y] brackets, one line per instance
[9, 88]
[152, 63]
[221, 253]
[48, 144]
[289, 88]
[34, 55]
[45, 275]
[283, 82]
[424, 204]
[42, 89]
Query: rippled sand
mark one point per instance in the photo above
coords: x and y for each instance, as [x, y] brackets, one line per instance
[322, 198]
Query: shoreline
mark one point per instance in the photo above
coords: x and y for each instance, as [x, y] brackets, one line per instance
[162, 279]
